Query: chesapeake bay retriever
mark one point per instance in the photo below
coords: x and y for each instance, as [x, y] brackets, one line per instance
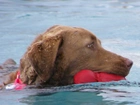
[55, 56]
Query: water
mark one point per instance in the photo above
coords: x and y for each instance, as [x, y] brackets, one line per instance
[115, 22]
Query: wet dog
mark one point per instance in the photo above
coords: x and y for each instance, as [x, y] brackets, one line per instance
[55, 56]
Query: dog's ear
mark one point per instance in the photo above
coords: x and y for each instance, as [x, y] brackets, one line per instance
[42, 55]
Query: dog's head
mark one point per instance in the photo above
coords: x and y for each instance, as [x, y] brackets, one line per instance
[63, 51]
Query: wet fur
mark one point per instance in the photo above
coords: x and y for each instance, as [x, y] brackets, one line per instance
[55, 56]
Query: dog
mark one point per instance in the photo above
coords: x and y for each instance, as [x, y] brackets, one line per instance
[55, 56]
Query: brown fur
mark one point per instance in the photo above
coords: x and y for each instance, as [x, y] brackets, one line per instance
[58, 54]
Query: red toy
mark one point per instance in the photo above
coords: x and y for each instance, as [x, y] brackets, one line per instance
[86, 76]
[19, 85]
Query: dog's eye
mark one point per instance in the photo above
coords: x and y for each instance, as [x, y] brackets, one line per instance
[91, 45]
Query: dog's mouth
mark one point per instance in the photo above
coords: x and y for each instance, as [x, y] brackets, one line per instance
[86, 76]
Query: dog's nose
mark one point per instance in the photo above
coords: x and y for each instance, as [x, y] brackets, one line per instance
[129, 63]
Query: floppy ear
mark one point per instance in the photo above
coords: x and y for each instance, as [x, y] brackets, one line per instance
[42, 55]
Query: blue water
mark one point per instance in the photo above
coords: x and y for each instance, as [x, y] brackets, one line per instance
[115, 22]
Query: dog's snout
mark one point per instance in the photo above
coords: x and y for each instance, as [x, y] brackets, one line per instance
[129, 63]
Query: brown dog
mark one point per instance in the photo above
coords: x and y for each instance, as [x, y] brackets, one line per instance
[58, 54]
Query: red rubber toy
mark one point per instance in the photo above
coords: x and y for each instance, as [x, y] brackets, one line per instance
[19, 85]
[86, 76]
